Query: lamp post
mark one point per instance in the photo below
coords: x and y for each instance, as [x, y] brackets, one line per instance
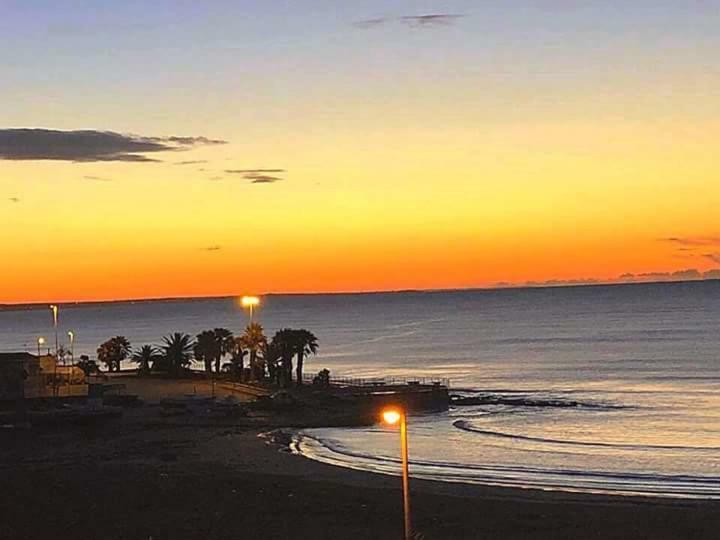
[393, 416]
[40, 342]
[56, 389]
[71, 335]
[250, 302]
[54, 310]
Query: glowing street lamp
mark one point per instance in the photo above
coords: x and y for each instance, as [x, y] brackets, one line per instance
[41, 342]
[392, 416]
[250, 302]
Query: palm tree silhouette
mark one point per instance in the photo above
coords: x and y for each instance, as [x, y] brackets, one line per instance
[253, 340]
[270, 352]
[177, 351]
[114, 351]
[237, 361]
[225, 345]
[206, 349]
[305, 343]
[144, 357]
[284, 342]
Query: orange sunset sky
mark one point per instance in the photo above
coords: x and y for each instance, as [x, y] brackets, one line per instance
[352, 149]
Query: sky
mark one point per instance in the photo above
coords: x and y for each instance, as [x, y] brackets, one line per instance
[178, 148]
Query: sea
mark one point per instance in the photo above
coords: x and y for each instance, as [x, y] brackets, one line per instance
[605, 389]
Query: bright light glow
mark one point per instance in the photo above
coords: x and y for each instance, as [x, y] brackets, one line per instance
[71, 335]
[391, 416]
[41, 341]
[249, 301]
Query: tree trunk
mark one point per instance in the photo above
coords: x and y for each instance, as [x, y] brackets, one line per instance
[208, 365]
[217, 363]
[299, 369]
[286, 372]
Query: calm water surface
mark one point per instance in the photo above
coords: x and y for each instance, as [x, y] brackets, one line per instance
[640, 364]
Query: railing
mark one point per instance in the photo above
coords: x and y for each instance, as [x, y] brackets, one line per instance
[382, 381]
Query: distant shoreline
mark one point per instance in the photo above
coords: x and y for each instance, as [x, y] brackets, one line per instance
[560, 285]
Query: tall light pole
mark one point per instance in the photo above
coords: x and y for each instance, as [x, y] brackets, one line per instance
[71, 335]
[40, 342]
[392, 416]
[56, 388]
[54, 310]
[250, 302]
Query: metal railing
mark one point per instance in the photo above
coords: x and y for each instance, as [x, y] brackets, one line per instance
[382, 381]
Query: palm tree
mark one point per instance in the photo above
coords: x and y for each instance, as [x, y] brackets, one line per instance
[206, 349]
[271, 357]
[284, 342]
[305, 344]
[237, 360]
[225, 345]
[254, 340]
[114, 351]
[144, 357]
[177, 351]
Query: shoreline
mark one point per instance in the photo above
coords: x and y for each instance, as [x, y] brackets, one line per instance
[146, 476]
[288, 438]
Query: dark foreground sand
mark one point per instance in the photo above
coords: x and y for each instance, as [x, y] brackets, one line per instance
[146, 477]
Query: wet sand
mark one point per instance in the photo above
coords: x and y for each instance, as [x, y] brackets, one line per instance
[148, 477]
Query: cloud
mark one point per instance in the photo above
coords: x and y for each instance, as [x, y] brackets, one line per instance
[89, 145]
[14, 199]
[215, 178]
[416, 21]
[689, 274]
[191, 162]
[259, 176]
[97, 178]
[211, 248]
[254, 171]
[432, 19]
[370, 23]
[692, 241]
[263, 179]
[714, 257]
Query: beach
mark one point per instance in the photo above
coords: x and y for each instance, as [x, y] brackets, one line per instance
[147, 476]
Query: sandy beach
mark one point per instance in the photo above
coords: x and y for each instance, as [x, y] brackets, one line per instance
[148, 476]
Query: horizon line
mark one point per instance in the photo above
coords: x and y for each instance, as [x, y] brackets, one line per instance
[498, 287]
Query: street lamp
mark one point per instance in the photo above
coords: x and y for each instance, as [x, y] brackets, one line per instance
[392, 416]
[56, 389]
[250, 302]
[41, 341]
[54, 310]
[71, 335]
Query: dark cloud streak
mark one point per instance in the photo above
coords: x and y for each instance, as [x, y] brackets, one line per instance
[254, 171]
[432, 19]
[416, 21]
[191, 162]
[24, 144]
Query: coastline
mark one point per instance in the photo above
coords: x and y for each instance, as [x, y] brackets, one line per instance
[149, 477]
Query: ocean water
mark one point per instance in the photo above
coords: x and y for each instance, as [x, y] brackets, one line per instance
[612, 389]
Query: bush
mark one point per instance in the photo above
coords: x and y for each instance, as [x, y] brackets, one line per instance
[322, 379]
